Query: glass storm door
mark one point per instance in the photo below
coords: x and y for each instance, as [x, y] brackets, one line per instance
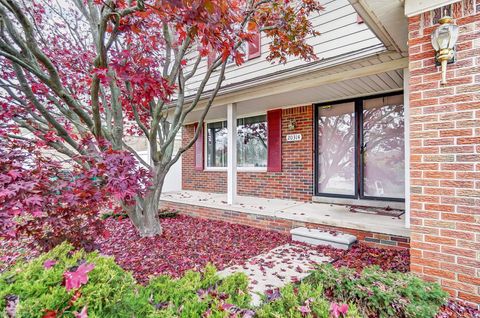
[383, 151]
[360, 149]
[336, 149]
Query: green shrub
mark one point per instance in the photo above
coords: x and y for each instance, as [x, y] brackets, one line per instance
[381, 293]
[197, 293]
[163, 213]
[40, 289]
[113, 292]
[300, 301]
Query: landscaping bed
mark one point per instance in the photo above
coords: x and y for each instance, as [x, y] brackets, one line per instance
[186, 243]
[360, 256]
[192, 243]
[68, 283]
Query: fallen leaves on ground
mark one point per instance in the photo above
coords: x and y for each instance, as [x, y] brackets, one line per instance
[458, 309]
[186, 243]
[12, 250]
[361, 255]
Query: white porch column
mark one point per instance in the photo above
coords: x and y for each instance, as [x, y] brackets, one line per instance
[406, 114]
[231, 153]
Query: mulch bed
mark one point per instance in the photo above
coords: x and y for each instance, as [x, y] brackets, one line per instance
[190, 243]
[13, 250]
[186, 243]
[458, 309]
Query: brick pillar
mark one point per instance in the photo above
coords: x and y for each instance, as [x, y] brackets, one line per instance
[445, 154]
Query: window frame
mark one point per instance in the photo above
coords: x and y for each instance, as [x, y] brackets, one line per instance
[205, 146]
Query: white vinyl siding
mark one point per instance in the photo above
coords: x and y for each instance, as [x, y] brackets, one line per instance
[340, 34]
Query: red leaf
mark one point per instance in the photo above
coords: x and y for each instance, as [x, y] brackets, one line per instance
[81, 314]
[79, 277]
[49, 263]
[50, 314]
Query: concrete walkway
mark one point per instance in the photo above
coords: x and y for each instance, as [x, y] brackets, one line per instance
[284, 264]
[320, 213]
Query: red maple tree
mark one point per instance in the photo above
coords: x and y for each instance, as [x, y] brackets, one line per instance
[81, 76]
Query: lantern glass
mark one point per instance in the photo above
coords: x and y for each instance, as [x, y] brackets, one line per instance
[453, 36]
[445, 37]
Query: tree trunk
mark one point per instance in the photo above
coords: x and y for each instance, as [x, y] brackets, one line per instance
[145, 213]
[146, 217]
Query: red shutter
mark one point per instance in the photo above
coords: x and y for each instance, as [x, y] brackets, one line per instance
[274, 127]
[254, 47]
[359, 19]
[199, 149]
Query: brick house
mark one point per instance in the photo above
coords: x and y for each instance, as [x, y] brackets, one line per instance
[366, 140]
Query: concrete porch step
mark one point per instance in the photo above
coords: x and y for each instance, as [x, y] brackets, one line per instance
[319, 237]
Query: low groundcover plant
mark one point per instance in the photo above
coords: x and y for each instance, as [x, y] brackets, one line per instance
[380, 293]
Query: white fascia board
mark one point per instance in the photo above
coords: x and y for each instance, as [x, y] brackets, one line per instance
[386, 19]
[415, 7]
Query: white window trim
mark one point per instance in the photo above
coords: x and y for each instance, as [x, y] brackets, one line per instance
[205, 140]
[251, 169]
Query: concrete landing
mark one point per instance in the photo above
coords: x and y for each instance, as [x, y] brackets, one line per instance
[319, 213]
[284, 264]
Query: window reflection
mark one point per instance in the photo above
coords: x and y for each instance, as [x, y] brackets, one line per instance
[336, 149]
[383, 147]
[252, 141]
[217, 144]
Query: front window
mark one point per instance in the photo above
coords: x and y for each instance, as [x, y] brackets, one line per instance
[217, 144]
[251, 142]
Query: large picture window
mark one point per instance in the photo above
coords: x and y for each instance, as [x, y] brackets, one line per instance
[251, 143]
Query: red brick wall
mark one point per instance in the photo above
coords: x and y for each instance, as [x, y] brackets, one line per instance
[445, 155]
[295, 181]
[284, 225]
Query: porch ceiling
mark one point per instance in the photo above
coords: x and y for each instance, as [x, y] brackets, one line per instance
[368, 85]
[377, 74]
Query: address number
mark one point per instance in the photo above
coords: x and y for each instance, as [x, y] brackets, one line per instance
[294, 137]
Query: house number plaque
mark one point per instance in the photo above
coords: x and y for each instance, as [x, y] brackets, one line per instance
[294, 137]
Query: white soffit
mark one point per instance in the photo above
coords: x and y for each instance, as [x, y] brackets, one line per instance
[385, 82]
[387, 20]
[414, 7]
[380, 74]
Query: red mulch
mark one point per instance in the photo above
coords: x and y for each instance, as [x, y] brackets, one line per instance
[186, 243]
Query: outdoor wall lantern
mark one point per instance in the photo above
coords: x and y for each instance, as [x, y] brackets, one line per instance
[444, 39]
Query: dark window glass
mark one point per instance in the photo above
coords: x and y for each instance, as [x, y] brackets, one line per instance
[217, 144]
[252, 141]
